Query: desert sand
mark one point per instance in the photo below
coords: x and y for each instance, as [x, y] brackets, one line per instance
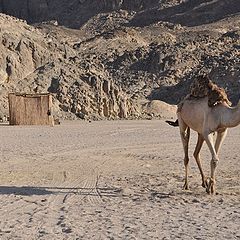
[113, 180]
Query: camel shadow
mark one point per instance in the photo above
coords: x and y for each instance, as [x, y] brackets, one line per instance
[24, 190]
[41, 191]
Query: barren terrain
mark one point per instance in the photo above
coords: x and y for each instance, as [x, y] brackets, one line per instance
[112, 180]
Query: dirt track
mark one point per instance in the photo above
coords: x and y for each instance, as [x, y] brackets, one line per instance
[113, 180]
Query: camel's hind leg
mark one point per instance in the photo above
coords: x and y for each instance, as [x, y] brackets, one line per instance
[185, 134]
[211, 185]
[196, 155]
[214, 151]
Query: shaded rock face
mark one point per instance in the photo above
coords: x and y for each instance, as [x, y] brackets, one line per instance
[188, 13]
[31, 10]
[74, 13]
[67, 12]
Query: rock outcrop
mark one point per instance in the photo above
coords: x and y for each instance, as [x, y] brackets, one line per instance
[32, 61]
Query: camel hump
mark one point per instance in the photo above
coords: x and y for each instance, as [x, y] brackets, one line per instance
[217, 95]
[203, 86]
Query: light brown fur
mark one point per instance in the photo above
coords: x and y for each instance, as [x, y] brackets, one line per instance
[196, 114]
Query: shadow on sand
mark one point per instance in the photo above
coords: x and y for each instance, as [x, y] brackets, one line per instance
[29, 191]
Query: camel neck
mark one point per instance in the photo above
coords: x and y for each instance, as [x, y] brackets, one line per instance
[231, 117]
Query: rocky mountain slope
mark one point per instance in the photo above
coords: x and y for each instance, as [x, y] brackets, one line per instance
[112, 59]
[74, 13]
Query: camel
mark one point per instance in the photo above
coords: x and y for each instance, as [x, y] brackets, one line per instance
[196, 114]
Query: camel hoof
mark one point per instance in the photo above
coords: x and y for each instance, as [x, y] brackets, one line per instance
[204, 184]
[185, 186]
[211, 192]
[210, 186]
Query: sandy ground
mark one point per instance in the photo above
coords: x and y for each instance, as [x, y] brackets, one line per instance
[113, 180]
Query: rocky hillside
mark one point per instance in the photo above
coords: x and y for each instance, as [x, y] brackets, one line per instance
[44, 59]
[114, 59]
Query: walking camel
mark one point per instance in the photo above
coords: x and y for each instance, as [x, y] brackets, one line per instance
[205, 118]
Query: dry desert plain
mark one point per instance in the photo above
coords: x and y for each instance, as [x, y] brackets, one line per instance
[113, 180]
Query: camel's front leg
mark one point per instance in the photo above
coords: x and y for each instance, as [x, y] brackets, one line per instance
[220, 137]
[185, 134]
[211, 184]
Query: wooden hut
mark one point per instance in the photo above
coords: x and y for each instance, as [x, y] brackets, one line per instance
[30, 109]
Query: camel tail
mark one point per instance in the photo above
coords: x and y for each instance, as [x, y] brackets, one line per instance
[174, 124]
